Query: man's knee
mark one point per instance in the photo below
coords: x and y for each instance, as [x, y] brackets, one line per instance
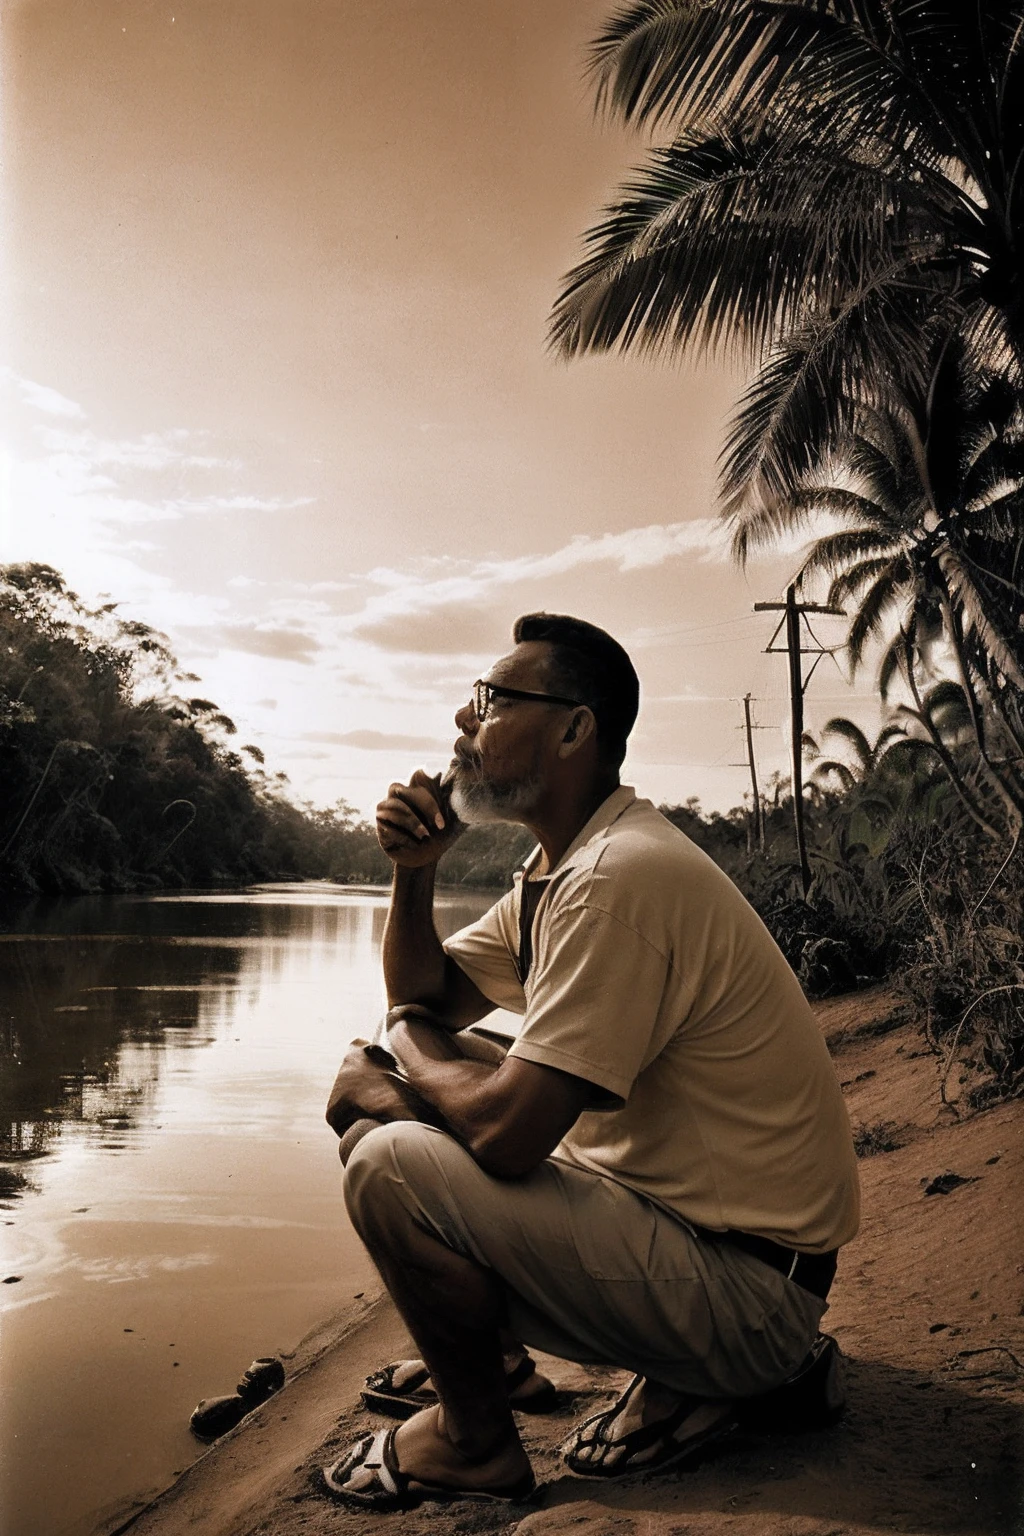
[384, 1172]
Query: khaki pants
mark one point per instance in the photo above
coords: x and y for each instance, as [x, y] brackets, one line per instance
[592, 1272]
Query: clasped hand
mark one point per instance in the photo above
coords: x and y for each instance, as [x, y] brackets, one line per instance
[364, 1089]
[415, 826]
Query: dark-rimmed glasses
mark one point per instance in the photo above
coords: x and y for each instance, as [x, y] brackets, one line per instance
[483, 693]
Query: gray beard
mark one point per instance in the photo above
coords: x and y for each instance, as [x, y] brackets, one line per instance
[476, 802]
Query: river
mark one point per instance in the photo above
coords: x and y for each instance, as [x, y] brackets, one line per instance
[169, 1191]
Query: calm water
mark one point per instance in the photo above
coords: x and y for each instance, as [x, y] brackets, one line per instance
[170, 1192]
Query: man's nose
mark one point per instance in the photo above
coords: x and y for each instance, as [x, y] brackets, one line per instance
[466, 718]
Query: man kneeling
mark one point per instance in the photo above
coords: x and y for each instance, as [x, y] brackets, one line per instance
[658, 1173]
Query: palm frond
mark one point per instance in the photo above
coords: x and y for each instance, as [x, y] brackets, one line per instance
[887, 737]
[892, 665]
[837, 552]
[849, 583]
[1001, 646]
[721, 235]
[649, 54]
[882, 596]
[755, 526]
[833, 768]
[806, 397]
[947, 706]
[851, 733]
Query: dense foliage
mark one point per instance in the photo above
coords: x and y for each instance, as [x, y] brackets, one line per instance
[907, 888]
[111, 778]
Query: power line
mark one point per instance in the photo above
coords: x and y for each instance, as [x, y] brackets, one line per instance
[794, 617]
[692, 629]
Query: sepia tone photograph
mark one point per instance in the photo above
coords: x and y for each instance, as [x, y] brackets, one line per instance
[512, 767]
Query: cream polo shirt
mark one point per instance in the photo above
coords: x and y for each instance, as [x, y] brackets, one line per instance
[655, 980]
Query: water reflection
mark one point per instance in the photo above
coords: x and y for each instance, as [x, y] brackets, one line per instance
[170, 1189]
[70, 1006]
[82, 978]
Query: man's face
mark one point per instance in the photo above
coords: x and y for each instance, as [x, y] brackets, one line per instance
[501, 764]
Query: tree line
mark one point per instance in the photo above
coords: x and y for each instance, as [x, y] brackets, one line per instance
[114, 775]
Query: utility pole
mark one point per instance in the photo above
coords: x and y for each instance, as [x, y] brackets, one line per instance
[792, 614]
[755, 832]
[758, 817]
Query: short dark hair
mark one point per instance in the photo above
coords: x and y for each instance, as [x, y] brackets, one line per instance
[588, 665]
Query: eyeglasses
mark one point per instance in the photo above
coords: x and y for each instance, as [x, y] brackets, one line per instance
[483, 693]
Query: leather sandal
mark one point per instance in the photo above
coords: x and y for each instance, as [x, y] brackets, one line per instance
[214, 1416]
[389, 1488]
[382, 1393]
[697, 1423]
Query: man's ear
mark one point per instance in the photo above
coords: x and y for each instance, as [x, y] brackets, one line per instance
[581, 727]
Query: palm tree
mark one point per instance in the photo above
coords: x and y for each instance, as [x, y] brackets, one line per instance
[867, 756]
[841, 177]
[928, 492]
[936, 727]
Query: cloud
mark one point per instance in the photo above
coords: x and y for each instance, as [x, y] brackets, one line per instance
[457, 613]
[186, 505]
[61, 467]
[171, 449]
[379, 741]
[462, 628]
[41, 397]
[281, 644]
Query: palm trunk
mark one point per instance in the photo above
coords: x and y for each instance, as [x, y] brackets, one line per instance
[1014, 803]
[943, 753]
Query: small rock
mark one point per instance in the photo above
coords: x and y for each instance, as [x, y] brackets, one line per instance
[943, 1183]
[11, 1279]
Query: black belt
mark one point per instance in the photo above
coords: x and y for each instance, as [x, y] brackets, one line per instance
[813, 1271]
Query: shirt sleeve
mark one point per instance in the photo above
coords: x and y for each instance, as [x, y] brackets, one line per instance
[595, 999]
[486, 950]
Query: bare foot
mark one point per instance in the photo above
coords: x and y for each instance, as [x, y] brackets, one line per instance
[605, 1444]
[425, 1453]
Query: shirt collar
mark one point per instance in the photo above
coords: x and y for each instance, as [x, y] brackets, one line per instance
[607, 812]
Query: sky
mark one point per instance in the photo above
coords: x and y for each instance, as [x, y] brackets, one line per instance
[276, 280]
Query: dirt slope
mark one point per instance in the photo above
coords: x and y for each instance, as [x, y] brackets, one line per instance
[928, 1306]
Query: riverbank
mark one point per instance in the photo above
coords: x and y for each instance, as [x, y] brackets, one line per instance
[927, 1306]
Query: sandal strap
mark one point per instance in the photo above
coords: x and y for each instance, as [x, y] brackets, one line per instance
[381, 1460]
[640, 1439]
[375, 1454]
[526, 1368]
[384, 1379]
[392, 1488]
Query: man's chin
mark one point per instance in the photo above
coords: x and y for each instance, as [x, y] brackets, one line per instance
[474, 810]
[477, 804]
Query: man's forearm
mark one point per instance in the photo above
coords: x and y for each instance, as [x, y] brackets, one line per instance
[414, 962]
[509, 1117]
[436, 1066]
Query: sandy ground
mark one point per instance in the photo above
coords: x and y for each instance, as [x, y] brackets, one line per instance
[928, 1306]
